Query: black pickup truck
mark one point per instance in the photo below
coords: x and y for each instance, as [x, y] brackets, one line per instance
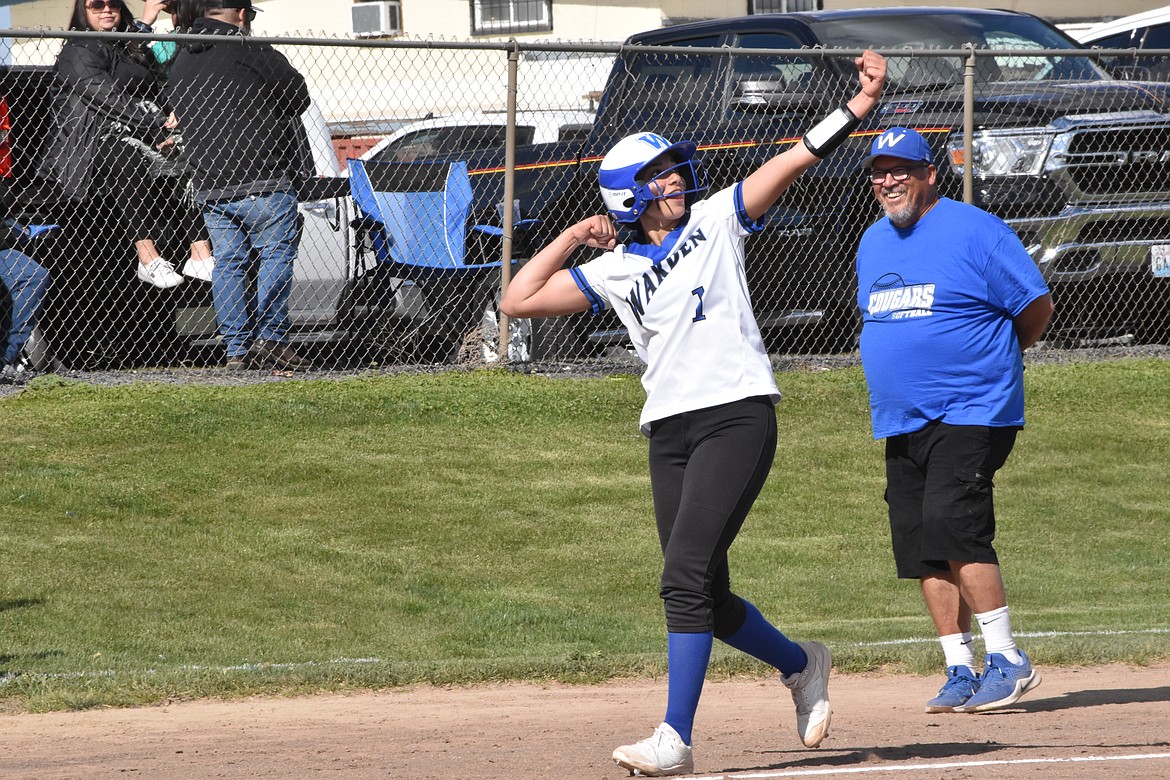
[1073, 158]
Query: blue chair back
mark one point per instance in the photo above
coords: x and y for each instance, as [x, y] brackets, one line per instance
[421, 212]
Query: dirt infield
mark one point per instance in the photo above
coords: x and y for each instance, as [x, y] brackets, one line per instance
[1098, 722]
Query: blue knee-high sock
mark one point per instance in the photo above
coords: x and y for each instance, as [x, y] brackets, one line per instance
[760, 639]
[687, 656]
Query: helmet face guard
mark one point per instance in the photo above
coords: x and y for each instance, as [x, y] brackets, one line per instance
[625, 191]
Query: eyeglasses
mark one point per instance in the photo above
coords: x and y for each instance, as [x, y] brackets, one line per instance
[251, 15]
[97, 5]
[899, 173]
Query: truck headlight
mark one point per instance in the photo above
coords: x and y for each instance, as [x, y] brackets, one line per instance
[1002, 153]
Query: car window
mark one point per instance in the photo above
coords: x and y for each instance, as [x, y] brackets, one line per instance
[953, 31]
[450, 139]
[1121, 40]
[1158, 37]
[763, 82]
[1019, 67]
[471, 137]
[1142, 68]
[408, 147]
[674, 89]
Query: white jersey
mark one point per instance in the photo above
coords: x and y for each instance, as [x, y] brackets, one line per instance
[687, 309]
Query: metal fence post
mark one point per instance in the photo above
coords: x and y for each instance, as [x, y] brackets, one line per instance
[969, 126]
[509, 193]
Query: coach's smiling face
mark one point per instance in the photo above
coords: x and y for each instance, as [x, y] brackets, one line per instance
[905, 188]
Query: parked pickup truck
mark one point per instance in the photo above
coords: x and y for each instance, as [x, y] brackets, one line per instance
[1074, 159]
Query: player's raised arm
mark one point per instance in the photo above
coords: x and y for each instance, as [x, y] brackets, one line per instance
[543, 288]
[765, 185]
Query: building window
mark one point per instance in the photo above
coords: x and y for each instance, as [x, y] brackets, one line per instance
[784, 6]
[496, 17]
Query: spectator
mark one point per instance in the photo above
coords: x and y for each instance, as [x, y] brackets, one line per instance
[26, 281]
[108, 108]
[237, 100]
[949, 299]
[183, 15]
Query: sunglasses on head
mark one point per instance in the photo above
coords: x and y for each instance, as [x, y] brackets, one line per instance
[97, 5]
[250, 13]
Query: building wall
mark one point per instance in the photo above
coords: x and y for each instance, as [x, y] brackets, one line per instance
[356, 84]
[597, 20]
[50, 14]
[601, 20]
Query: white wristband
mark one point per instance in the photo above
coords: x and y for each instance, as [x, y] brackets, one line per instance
[831, 132]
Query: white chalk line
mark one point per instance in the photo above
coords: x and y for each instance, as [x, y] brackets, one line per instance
[11, 677]
[1017, 634]
[932, 767]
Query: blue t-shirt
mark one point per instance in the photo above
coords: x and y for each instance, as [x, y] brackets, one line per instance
[937, 301]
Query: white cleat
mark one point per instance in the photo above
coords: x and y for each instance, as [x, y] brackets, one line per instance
[661, 754]
[810, 693]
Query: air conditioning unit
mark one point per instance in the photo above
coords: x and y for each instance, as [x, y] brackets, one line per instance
[383, 17]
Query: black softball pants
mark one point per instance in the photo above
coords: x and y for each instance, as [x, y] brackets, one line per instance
[706, 469]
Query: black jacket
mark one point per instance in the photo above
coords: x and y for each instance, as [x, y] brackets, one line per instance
[102, 91]
[238, 105]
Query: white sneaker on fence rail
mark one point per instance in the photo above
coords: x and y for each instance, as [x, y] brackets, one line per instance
[662, 753]
[199, 269]
[160, 273]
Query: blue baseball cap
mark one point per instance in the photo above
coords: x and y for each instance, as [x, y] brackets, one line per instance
[899, 142]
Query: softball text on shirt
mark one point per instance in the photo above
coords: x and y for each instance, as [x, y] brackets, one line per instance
[937, 301]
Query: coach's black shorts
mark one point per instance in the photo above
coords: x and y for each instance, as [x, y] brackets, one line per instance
[938, 488]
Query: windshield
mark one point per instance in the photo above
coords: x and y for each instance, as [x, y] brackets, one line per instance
[988, 32]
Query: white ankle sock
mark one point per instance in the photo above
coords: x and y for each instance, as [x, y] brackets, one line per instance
[996, 627]
[957, 650]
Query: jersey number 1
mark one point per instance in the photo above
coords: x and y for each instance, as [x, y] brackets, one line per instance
[699, 316]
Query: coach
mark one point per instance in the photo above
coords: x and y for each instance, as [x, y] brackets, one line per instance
[949, 300]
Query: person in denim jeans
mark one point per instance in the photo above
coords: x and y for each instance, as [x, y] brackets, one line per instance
[26, 281]
[268, 224]
[239, 103]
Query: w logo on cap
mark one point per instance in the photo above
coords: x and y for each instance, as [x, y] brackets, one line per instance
[901, 142]
[890, 138]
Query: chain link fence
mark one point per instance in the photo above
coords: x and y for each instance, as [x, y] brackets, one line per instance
[419, 190]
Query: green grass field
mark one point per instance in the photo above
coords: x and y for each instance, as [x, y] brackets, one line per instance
[161, 542]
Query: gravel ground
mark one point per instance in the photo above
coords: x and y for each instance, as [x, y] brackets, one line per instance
[616, 362]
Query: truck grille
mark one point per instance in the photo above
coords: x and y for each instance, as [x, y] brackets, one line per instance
[1141, 229]
[1115, 161]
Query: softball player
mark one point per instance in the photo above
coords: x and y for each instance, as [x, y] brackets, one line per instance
[681, 291]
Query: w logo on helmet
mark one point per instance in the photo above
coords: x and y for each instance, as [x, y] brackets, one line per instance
[655, 140]
[624, 194]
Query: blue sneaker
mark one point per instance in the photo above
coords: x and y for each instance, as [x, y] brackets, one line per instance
[1002, 683]
[960, 686]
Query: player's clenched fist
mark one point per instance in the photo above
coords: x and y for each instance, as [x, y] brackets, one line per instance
[871, 72]
[596, 231]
